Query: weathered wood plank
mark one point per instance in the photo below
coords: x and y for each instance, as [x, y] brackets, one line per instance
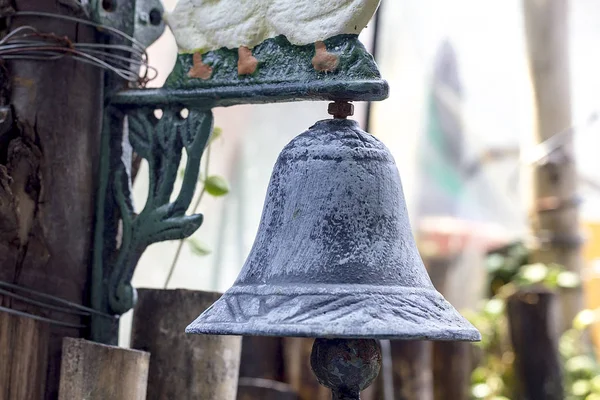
[551, 194]
[299, 375]
[48, 178]
[93, 371]
[452, 368]
[264, 389]
[298, 372]
[23, 357]
[413, 378]
[191, 367]
[534, 335]
[262, 357]
[452, 361]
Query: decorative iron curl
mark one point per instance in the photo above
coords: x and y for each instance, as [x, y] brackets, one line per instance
[160, 142]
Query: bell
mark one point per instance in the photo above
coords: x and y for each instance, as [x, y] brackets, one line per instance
[334, 256]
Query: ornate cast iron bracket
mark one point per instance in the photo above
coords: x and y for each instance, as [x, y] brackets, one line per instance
[161, 142]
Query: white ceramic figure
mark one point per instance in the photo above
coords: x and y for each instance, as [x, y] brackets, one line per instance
[204, 25]
[312, 21]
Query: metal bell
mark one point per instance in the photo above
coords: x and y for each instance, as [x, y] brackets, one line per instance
[334, 256]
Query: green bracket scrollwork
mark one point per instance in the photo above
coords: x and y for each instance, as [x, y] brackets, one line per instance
[160, 141]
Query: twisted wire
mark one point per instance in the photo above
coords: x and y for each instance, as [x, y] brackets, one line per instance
[48, 302]
[129, 62]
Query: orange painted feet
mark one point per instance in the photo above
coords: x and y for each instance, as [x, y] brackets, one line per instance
[247, 63]
[324, 61]
[199, 69]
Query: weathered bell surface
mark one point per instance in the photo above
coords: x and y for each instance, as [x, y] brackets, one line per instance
[334, 255]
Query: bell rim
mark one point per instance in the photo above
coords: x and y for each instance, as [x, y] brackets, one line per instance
[335, 311]
[233, 329]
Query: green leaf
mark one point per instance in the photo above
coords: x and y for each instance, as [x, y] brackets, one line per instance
[494, 307]
[568, 280]
[584, 319]
[479, 375]
[495, 262]
[198, 247]
[581, 366]
[581, 388]
[481, 391]
[534, 273]
[216, 186]
[216, 134]
[596, 384]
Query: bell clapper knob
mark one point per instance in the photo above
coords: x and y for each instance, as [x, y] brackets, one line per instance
[341, 109]
[346, 366]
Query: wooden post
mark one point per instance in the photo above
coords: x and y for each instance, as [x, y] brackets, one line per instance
[262, 357]
[413, 378]
[191, 367]
[553, 181]
[93, 371]
[452, 361]
[264, 389]
[452, 367]
[262, 370]
[298, 372]
[534, 336]
[300, 376]
[24, 358]
[48, 165]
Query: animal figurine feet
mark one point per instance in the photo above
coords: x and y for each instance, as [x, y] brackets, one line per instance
[199, 69]
[247, 63]
[323, 61]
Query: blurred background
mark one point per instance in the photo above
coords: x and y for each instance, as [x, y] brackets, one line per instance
[460, 90]
[460, 121]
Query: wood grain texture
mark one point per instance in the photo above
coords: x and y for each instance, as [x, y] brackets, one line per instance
[452, 368]
[412, 370]
[299, 375]
[92, 371]
[23, 358]
[298, 372]
[262, 357]
[452, 362]
[264, 389]
[191, 367]
[547, 38]
[534, 335]
[47, 182]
